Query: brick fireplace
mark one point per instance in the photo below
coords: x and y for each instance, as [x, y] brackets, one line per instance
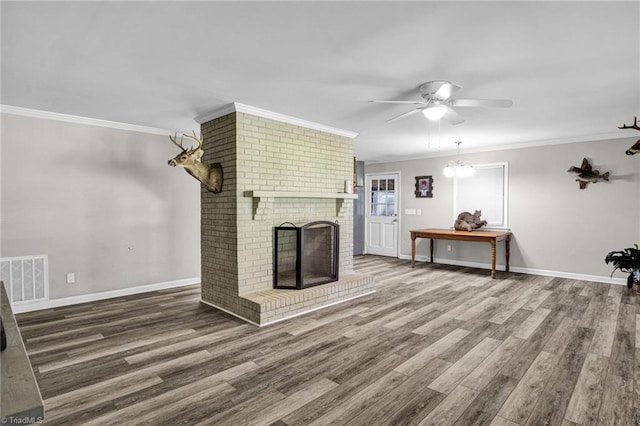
[276, 169]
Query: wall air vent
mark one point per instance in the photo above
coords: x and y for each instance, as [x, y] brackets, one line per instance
[26, 278]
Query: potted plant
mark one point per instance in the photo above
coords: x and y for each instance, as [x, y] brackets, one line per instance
[627, 260]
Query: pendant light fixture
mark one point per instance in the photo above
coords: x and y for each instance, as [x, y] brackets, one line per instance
[459, 168]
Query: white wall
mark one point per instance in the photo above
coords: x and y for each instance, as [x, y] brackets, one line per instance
[556, 226]
[100, 202]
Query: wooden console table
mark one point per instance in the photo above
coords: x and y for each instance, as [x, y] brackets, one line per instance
[492, 237]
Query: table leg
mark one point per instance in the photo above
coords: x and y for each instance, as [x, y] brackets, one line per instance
[493, 259]
[506, 248]
[413, 251]
[431, 249]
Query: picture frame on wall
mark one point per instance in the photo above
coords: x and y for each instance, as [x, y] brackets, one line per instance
[424, 186]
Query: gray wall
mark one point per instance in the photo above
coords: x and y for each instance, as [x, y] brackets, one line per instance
[556, 226]
[100, 202]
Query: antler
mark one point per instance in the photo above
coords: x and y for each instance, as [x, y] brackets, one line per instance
[633, 126]
[173, 139]
[200, 140]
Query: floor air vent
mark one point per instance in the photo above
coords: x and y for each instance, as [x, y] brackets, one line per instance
[25, 278]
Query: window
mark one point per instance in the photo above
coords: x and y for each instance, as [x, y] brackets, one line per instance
[487, 190]
[383, 197]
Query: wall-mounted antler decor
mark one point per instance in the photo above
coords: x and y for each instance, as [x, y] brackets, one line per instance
[209, 174]
[635, 148]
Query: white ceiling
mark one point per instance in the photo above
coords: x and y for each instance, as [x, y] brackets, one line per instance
[572, 69]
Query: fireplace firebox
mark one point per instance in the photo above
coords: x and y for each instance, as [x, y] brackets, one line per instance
[305, 256]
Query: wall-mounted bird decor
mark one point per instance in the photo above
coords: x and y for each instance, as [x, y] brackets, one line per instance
[635, 148]
[585, 174]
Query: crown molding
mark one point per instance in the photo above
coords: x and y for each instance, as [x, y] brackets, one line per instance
[216, 113]
[510, 146]
[547, 142]
[27, 112]
[259, 112]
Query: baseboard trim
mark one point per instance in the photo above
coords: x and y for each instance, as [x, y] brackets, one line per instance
[19, 308]
[318, 308]
[532, 271]
[229, 312]
[290, 316]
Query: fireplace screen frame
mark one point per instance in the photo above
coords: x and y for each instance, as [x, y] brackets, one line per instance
[299, 238]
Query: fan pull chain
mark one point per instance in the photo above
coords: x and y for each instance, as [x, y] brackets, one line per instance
[428, 136]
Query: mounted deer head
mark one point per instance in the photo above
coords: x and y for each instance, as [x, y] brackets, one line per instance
[635, 148]
[209, 174]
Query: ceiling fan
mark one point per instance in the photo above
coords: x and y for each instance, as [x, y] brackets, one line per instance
[436, 102]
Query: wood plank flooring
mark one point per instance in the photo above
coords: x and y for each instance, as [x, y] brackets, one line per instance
[436, 345]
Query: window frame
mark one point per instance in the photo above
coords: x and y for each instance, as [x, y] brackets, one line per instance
[471, 180]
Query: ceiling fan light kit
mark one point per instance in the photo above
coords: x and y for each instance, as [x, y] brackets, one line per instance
[435, 112]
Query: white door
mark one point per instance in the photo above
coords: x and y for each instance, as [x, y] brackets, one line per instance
[382, 214]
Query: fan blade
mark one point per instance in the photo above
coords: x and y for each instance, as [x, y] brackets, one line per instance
[446, 91]
[440, 90]
[406, 114]
[491, 103]
[399, 102]
[453, 117]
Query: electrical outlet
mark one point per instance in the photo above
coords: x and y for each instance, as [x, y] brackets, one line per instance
[71, 277]
[448, 247]
[419, 211]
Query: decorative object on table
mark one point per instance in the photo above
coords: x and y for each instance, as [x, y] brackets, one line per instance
[436, 102]
[627, 260]
[209, 174]
[424, 187]
[585, 174]
[635, 148]
[468, 222]
[459, 168]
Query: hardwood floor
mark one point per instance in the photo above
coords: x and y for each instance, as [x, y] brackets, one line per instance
[436, 345]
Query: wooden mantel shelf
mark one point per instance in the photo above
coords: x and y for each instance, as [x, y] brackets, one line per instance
[262, 199]
[293, 194]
